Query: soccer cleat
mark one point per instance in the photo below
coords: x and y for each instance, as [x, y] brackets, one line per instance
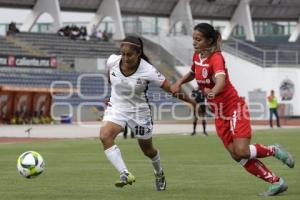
[284, 156]
[276, 188]
[193, 133]
[125, 179]
[160, 181]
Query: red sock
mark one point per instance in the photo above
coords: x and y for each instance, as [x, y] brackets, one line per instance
[258, 169]
[263, 151]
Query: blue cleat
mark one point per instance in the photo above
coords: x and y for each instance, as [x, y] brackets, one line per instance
[276, 188]
[284, 156]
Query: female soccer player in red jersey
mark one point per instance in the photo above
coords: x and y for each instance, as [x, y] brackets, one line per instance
[231, 113]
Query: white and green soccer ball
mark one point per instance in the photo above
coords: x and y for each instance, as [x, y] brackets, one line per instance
[30, 164]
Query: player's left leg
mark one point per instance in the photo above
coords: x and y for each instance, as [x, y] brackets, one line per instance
[149, 151]
[241, 152]
[247, 154]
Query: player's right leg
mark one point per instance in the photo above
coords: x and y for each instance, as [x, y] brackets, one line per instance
[108, 133]
[125, 179]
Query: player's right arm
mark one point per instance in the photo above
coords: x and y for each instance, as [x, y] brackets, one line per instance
[110, 62]
[108, 76]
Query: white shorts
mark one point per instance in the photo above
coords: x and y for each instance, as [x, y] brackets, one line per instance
[140, 123]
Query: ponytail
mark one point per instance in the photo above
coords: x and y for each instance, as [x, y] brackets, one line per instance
[143, 56]
[218, 41]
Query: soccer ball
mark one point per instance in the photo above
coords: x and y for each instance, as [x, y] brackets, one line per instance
[30, 164]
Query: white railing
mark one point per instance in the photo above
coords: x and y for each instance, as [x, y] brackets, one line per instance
[265, 58]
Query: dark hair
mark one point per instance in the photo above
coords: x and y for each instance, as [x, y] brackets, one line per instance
[137, 44]
[209, 32]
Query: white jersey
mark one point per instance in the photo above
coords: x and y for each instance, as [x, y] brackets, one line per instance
[128, 93]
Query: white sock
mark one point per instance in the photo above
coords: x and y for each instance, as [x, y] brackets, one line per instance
[253, 151]
[156, 163]
[113, 154]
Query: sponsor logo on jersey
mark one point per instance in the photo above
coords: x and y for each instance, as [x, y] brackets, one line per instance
[206, 81]
[204, 73]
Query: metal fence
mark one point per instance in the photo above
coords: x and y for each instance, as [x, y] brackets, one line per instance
[259, 56]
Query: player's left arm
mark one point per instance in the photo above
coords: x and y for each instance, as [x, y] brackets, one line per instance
[160, 80]
[179, 95]
[219, 86]
[219, 77]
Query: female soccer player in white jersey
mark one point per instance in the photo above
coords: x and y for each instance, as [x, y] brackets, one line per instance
[130, 74]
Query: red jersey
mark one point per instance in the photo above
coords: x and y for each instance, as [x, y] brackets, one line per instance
[205, 71]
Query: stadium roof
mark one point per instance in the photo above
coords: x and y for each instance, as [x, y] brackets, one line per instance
[282, 10]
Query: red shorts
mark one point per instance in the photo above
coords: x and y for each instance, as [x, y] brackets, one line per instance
[235, 126]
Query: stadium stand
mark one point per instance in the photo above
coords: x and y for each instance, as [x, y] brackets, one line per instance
[66, 48]
[8, 48]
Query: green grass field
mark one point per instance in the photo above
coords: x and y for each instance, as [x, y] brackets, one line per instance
[195, 167]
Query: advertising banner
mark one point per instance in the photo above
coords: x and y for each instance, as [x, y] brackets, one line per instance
[28, 61]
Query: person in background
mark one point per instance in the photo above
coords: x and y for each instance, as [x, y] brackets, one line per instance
[273, 105]
[126, 131]
[94, 31]
[200, 99]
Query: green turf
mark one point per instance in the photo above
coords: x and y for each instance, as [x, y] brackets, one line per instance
[196, 168]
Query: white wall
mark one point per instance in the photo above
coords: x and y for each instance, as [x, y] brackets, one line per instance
[178, 46]
[247, 76]
[244, 75]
